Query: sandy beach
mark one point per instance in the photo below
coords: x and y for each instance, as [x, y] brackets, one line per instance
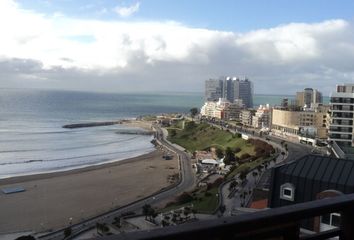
[50, 200]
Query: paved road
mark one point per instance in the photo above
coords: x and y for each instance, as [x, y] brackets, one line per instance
[187, 181]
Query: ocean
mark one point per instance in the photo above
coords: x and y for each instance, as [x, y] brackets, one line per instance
[33, 141]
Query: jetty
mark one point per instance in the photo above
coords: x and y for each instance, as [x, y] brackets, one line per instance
[91, 124]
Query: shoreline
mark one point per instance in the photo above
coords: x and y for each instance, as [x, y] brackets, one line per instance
[144, 125]
[59, 173]
[51, 199]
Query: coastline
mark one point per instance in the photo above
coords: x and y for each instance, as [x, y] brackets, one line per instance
[51, 199]
[144, 125]
[46, 175]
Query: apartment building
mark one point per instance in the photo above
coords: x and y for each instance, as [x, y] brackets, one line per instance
[246, 117]
[213, 109]
[341, 113]
[262, 117]
[308, 97]
[310, 123]
[233, 110]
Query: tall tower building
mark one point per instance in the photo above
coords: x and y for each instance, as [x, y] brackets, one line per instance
[341, 127]
[243, 89]
[229, 89]
[308, 97]
[213, 89]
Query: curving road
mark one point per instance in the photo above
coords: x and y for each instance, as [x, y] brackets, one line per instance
[187, 180]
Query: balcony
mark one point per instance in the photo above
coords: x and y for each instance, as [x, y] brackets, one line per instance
[277, 223]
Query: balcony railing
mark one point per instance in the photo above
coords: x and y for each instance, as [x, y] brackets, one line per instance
[276, 223]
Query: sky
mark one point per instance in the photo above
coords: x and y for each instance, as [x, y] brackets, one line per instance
[158, 45]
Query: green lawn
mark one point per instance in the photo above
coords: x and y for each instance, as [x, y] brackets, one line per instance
[203, 136]
[202, 203]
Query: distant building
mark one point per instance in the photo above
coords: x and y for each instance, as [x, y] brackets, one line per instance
[230, 89]
[246, 117]
[213, 109]
[213, 89]
[243, 89]
[309, 178]
[233, 110]
[295, 124]
[341, 126]
[308, 97]
[262, 117]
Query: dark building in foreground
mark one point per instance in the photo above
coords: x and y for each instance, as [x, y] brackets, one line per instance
[309, 178]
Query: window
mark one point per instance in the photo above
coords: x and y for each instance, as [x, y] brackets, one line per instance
[332, 219]
[287, 192]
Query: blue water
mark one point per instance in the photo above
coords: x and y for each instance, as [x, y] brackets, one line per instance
[32, 139]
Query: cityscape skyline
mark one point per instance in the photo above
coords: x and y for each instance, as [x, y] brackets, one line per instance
[125, 48]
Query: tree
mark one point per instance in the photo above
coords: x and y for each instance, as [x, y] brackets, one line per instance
[173, 132]
[233, 184]
[67, 232]
[229, 156]
[222, 209]
[184, 198]
[219, 153]
[255, 174]
[194, 112]
[146, 210]
[243, 174]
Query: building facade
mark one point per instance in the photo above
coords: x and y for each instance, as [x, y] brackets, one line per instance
[230, 89]
[213, 109]
[310, 123]
[243, 89]
[262, 117]
[233, 110]
[246, 117]
[341, 114]
[308, 97]
[213, 89]
[309, 178]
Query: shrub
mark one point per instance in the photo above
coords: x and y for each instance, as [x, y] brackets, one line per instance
[218, 182]
[236, 149]
[244, 156]
[184, 198]
[207, 194]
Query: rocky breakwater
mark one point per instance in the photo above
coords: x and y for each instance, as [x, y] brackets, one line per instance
[91, 124]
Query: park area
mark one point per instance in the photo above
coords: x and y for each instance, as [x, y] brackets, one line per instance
[239, 154]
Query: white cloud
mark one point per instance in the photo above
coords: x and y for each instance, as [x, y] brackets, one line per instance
[120, 55]
[127, 11]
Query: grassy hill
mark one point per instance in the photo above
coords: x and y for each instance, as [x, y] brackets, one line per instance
[202, 136]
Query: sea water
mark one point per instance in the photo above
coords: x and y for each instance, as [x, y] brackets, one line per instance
[32, 139]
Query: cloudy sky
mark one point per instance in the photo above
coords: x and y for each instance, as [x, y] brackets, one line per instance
[159, 45]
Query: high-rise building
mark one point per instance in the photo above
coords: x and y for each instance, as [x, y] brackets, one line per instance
[213, 89]
[341, 126]
[229, 89]
[243, 89]
[308, 97]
